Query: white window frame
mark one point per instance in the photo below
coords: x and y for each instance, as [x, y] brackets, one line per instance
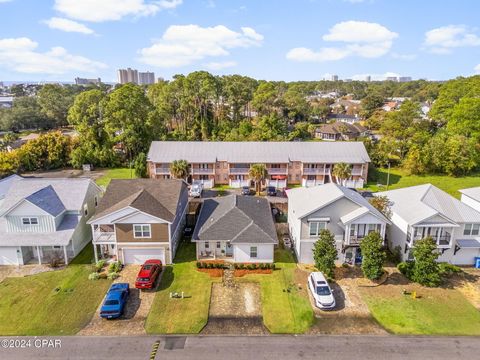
[142, 231]
[252, 251]
[471, 229]
[317, 226]
[30, 220]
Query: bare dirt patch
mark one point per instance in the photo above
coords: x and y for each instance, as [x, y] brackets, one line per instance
[468, 283]
[235, 310]
[133, 320]
[24, 270]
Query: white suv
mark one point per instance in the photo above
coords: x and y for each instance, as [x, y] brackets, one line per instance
[321, 291]
[196, 190]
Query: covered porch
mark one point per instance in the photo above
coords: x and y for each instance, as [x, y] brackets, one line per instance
[45, 254]
[214, 250]
[105, 242]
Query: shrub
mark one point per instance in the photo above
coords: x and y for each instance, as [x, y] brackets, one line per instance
[447, 269]
[406, 268]
[94, 276]
[102, 275]
[99, 265]
[199, 265]
[241, 266]
[113, 275]
[325, 253]
[209, 266]
[115, 266]
[219, 266]
[272, 266]
[425, 269]
[373, 255]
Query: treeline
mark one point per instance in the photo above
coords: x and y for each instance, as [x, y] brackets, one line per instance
[447, 143]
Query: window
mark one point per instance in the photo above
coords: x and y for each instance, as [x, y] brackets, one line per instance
[207, 245]
[374, 227]
[316, 227]
[30, 221]
[85, 209]
[471, 229]
[96, 201]
[218, 244]
[57, 247]
[141, 231]
[253, 251]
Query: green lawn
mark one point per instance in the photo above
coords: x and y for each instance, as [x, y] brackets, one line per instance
[399, 179]
[181, 316]
[120, 173]
[59, 302]
[436, 312]
[284, 312]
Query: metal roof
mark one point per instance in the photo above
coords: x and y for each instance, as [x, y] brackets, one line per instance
[469, 243]
[473, 193]
[256, 151]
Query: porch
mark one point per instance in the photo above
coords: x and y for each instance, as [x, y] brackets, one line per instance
[214, 250]
[45, 254]
[440, 233]
[104, 242]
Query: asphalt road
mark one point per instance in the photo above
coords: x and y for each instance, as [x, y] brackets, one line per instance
[250, 348]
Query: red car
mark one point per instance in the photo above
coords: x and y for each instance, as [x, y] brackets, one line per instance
[148, 274]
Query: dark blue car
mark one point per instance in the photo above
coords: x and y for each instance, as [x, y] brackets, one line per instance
[115, 301]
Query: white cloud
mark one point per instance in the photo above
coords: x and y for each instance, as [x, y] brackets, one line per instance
[182, 45]
[68, 25]
[107, 10]
[220, 65]
[21, 55]
[406, 57]
[4, 1]
[363, 39]
[477, 69]
[443, 39]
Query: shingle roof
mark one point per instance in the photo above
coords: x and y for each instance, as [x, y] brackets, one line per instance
[341, 128]
[152, 196]
[238, 219]
[256, 151]
[307, 200]
[6, 183]
[419, 203]
[47, 200]
[473, 193]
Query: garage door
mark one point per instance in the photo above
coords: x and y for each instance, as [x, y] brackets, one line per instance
[139, 256]
[8, 256]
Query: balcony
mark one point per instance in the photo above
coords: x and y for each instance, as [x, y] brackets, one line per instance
[162, 170]
[104, 237]
[316, 171]
[277, 171]
[354, 240]
[239, 170]
[203, 171]
[357, 171]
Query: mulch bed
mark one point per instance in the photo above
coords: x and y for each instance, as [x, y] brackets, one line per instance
[212, 272]
[243, 272]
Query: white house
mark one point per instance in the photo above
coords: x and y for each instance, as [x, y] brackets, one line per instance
[424, 210]
[471, 197]
[42, 218]
[235, 228]
[343, 211]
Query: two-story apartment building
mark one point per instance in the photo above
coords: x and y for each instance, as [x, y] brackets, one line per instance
[228, 163]
[140, 219]
[342, 211]
[426, 211]
[43, 218]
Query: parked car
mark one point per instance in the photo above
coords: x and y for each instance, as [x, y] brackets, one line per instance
[196, 189]
[321, 291]
[148, 274]
[115, 300]
[188, 231]
[271, 191]
[367, 194]
[246, 190]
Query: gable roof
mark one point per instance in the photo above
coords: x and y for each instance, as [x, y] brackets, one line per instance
[238, 219]
[352, 152]
[155, 197]
[71, 192]
[341, 128]
[473, 193]
[420, 203]
[305, 201]
[47, 200]
[5, 184]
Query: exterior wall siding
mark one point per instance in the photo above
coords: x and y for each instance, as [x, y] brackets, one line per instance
[124, 233]
[241, 253]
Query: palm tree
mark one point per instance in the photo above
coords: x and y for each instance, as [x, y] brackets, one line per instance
[342, 173]
[179, 169]
[257, 172]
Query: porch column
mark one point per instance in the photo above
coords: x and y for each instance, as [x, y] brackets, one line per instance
[39, 256]
[95, 251]
[116, 251]
[65, 254]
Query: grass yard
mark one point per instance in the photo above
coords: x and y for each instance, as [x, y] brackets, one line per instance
[438, 311]
[59, 302]
[284, 312]
[399, 179]
[181, 316]
[120, 173]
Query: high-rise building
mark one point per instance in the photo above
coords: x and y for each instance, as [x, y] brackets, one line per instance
[404, 78]
[128, 76]
[84, 81]
[391, 78]
[334, 78]
[146, 78]
[368, 78]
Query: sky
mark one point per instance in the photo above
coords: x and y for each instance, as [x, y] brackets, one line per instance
[58, 40]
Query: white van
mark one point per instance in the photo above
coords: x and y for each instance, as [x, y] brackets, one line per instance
[321, 291]
[196, 189]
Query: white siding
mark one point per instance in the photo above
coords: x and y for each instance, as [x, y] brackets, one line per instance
[9, 256]
[241, 253]
[397, 234]
[45, 224]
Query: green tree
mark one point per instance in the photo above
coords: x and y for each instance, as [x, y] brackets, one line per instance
[258, 173]
[373, 255]
[48, 151]
[465, 118]
[425, 269]
[325, 253]
[269, 128]
[342, 172]
[54, 101]
[382, 204]
[9, 163]
[24, 114]
[140, 165]
[371, 103]
[180, 169]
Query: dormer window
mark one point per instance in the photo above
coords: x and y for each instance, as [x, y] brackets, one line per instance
[30, 221]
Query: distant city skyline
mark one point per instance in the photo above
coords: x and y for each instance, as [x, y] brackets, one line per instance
[59, 40]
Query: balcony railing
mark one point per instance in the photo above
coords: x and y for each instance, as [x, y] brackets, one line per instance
[277, 171]
[162, 170]
[315, 171]
[355, 240]
[356, 172]
[238, 170]
[104, 237]
[196, 171]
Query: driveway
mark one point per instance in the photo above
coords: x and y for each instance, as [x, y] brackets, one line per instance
[351, 315]
[133, 320]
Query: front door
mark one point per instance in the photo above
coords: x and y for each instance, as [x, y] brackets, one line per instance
[229, 250]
